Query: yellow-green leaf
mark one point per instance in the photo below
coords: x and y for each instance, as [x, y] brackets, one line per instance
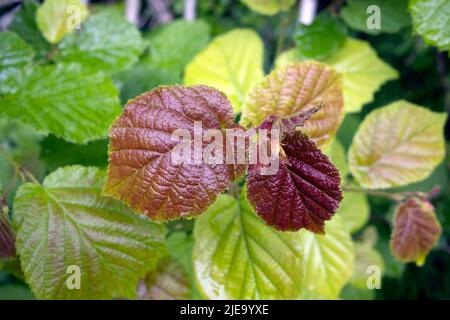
[269, 7]
[336, 152]
[354, 210]
[362, 70]
[56, 18]
[231, 63]
[397, 145]
[328, 259]
[298, 87]
[366, 260]
[238, 256]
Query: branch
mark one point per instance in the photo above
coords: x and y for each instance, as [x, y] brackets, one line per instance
[190, 10]
[132, 8]
[307, 11]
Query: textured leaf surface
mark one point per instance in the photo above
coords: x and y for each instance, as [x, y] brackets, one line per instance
[65, 100]
[141, 170]
[7, 238]
[237, 256]
[232, 62]
[15, 55]
[320, 39]
[328, 259]
[365, 257]
[297, 88]
[393, 15]
[106, 42]
[173, 45]
[416, 231]
[354, 210]
[67, 222]
[363, 72]
[431, 19]
[168, 281]
[397, 145]
[56, 18]
[24, 24]
[269, 7]
[304, 192]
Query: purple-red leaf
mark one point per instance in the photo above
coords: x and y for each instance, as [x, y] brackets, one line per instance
[7, 238]
[416, 230]
[141, 168]
[303, 193]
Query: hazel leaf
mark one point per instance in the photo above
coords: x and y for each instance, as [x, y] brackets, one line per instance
[416, 231]
[237, 256]
[65, 225]
[396, 145]
[303, 193]
[295, 89]
[142, 172]
[269, 7]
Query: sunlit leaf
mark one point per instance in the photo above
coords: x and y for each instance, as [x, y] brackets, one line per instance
[416, 231]
[397, 145]
[231, 63]
[303, 192]
[392, 15]
[168, 281]
[431, 20]
[65, 100]
[297, 88]
[237, 256]
[66, 222]
[336, 152]
[142, 172]
[106, 41]
[366, 259]
[363, 72]
[328, 259]
[56, 18]
[269, 7]
[354, 210]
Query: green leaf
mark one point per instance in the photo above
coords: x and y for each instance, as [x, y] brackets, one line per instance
[180, 247]
[143, 77]
[231, 63]
[336, 152]
[362, 70]
[66, 222]
[431, 19]
[65, 100]
[15, 292]
[320, 39]
[396, 145]
[24, 24]
[106, 42]
[237, 256]
[393, 15]
[269, 7]
[354, 210]
[297, 88]
[15, 56]
[328, 259]
[168, 281]
[56, 18]
[365, 257]
[173, 45]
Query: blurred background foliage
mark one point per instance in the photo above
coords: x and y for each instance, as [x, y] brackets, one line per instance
[424, 79]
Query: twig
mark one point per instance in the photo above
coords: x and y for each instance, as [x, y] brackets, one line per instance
[396, 196]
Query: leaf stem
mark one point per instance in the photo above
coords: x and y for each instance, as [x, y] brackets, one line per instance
[396, 196]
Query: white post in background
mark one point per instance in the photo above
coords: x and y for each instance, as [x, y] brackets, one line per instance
[132, 11]
[189, 9]
[307, 11]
